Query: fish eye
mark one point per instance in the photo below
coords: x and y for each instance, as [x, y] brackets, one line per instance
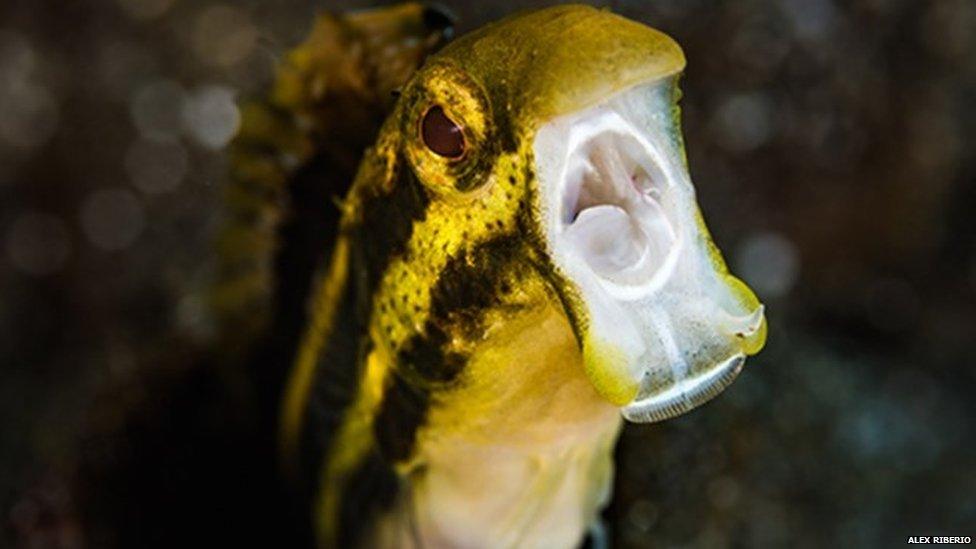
[443, 136]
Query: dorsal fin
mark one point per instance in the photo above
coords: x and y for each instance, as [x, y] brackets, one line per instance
[296, 155]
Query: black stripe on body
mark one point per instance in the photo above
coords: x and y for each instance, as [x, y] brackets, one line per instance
[381, 235]
[470, 283]
[387, 225]
[372, 487]
[402, 412]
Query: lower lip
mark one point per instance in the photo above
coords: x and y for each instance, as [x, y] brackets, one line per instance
[685, 395]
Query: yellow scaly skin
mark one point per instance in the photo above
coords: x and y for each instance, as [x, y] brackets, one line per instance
[477, 406]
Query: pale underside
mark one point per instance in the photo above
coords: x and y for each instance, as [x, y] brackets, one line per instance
[519, 456]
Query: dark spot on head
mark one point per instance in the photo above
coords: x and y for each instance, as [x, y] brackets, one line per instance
[425, 358]
[388, 223]
[469, 281]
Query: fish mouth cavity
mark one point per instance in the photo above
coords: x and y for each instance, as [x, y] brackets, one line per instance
[662, 325]
[616, 211]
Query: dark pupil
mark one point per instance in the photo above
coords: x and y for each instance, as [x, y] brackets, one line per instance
[441, 134]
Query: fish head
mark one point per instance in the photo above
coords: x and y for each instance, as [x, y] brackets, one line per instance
[561, 127]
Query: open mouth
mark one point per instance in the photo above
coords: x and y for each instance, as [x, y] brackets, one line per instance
[664, 327]
[613, 209]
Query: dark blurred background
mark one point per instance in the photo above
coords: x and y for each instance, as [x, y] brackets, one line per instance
[832, 147]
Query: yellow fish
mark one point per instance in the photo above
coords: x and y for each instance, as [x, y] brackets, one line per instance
[519, 264]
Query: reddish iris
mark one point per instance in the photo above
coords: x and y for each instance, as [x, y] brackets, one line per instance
[441, 134]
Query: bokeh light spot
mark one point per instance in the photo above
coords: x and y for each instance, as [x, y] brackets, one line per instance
[17, 57]
[112, 219]
[28, 111]
[28, 115]
[121, 66]
[211, 116]
[192, 316]
[156, 110]
[223, 36]
[769, 263]
[743, 122]
[642, 515]
[155, 167]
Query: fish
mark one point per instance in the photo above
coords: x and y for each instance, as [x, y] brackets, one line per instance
[517, 266]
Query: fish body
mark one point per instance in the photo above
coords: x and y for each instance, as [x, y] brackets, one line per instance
[518, 263]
